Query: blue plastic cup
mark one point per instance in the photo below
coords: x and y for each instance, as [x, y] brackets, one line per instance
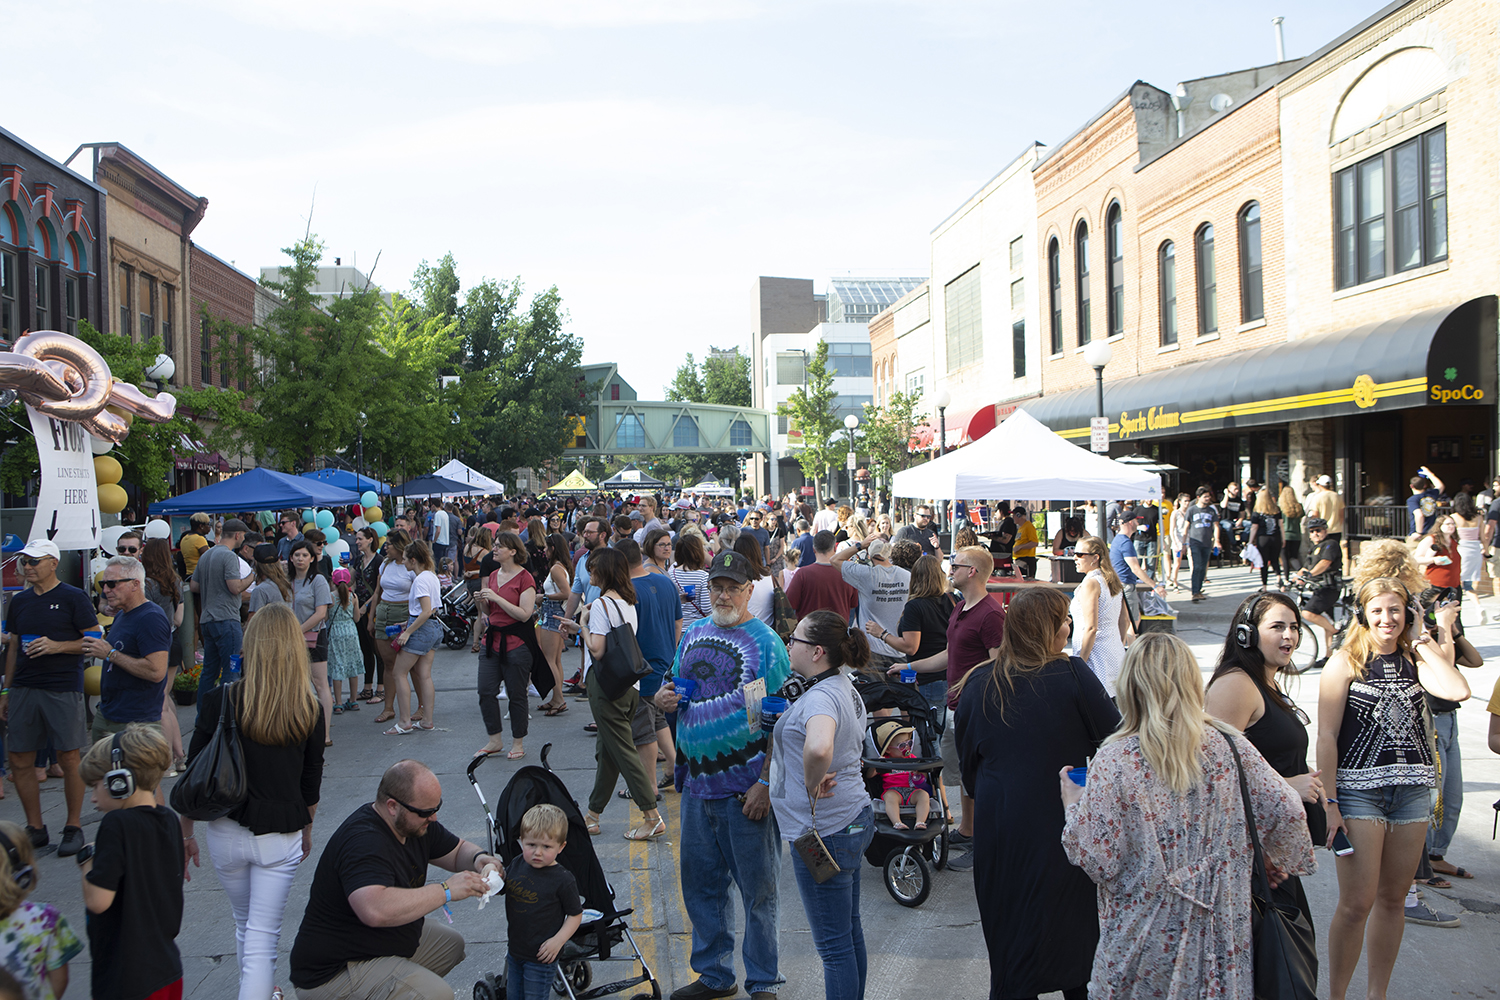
[94, 633]
[27, 640]
[688, 588]
[771, 708]
[1079, 775]
[391, 631]
[684, 686]
[908, 675]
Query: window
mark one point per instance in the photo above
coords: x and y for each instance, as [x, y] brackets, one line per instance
[41, 298]
[961, 302]
[791, 368]
[70, 304]
[146, 292]
[781, 423]
[1208, 288]
[127, 303]
[629, 432]
[168, 342]
[1054, 293]
[614, 391]
[850, 360]
[1391, 211]
[1081, 254]
[843, 405]
[10, 321]
[916, 384]
[1017, 253]
[685, 433]
[1115, 251]
[1018, 295]
[1166, 265]
[205, 352]
[1018, 348]
[1252, 292]
[739, 434]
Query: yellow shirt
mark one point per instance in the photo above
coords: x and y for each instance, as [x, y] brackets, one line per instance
[192, 545]
[1494, 705]
[1025, 545]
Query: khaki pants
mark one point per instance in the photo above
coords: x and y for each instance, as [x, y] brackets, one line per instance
[417, 978]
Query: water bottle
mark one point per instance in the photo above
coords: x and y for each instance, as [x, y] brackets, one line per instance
[235, 670]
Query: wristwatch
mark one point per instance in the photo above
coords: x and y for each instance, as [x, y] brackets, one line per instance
[85, 855]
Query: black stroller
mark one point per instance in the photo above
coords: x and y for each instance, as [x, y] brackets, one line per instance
[530, 786]
[457, 616]
[907, 856]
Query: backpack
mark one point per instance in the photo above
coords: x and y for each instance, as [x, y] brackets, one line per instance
[783, 617]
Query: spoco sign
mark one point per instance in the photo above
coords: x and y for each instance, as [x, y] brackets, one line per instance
[1459, 394]
[1157, 418]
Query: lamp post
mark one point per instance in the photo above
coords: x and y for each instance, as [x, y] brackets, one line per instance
[942, 401]
[1096, 355]
[851, 422]
[359, 452]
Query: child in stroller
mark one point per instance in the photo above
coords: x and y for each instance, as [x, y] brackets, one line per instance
[902, 788]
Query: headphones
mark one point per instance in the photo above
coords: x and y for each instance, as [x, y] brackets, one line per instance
[24, 875]
[119, 780]
[1244, 630]
[1413, 614]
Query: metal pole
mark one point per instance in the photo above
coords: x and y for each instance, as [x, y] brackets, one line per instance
[942, 448]
[1099, 385]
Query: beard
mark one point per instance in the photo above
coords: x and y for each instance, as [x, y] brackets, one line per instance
[726, 618]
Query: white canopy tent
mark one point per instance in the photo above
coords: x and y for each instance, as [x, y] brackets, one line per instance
[710, 488]
[461, 473]
[1023, 460]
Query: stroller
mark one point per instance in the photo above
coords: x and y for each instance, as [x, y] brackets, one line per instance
[457, 616]
[596, 938]
[909, 856]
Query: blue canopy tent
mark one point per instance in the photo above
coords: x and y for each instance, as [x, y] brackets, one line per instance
[344, 479]
[433, 486]
[258, 489]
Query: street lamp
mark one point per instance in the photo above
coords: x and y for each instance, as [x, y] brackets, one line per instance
[1096, 355]
[359, 454]
[851, 422]
[942, 401]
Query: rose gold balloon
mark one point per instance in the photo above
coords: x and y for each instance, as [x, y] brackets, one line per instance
[65, 378]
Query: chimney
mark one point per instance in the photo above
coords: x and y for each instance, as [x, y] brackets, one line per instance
[1280, 39]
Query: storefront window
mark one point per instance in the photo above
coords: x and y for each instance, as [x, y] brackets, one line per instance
[1081, 247]
[1208, 283]
[1167, 265]
[1391, 210]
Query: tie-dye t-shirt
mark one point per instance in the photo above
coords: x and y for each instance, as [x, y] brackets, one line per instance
[717, 755]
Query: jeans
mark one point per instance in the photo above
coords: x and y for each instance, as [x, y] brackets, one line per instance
[719, 844]
[1199, 551]
[257, 874]
[221, 640]
[528, 980]
[1440, 835]
[833, 910]
[936, 694]
[514, 668]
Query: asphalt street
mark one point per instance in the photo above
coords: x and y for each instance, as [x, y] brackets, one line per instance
[936, 949]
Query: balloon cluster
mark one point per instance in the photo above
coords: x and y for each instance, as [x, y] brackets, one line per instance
[107, 472]
[366, 514]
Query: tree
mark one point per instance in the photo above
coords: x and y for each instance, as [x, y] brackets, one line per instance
[810, 411]
[726, 380]
[687, 385]
[887, 433]
[434, 290]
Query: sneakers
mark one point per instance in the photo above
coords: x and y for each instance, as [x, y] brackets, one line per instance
[39, 837]
[1428, 917]
[72, 842]
[962, 862]
[697, 990]
[956, 839]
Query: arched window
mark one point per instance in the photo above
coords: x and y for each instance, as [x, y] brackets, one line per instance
[1081, 264]
[1114, 245]
[1054, 293]
[1166, 266]
[1252, 291]
[1208, 287]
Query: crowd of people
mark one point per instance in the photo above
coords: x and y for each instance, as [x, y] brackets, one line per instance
[1057, 719]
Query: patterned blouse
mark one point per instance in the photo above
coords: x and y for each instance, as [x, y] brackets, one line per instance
[1173, 871]
[36, 940]
[1383, 737]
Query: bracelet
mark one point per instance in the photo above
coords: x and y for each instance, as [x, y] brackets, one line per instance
[4, 690]
[762, 781]
[1332, 802]
[447, 892]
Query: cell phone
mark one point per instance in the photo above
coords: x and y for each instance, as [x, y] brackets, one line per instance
[1341, 846]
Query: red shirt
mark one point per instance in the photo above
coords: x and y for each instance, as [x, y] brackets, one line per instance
[972, 633]
[512, 591]
[821, 586]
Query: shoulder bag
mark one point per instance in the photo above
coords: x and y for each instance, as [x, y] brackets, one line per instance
[1286, 956]
[214, 782]
[783, 616]
[623, 663]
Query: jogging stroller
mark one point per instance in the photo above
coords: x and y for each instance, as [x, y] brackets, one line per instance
[457, 616]
[908, 857]
[596, 938]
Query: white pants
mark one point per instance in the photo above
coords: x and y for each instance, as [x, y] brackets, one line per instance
[257, 873]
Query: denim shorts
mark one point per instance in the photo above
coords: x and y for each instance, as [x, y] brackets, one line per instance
[1392, 805]
[425, 638]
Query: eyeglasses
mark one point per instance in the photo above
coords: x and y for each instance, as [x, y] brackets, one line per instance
[724, 590]
[126, 550]
[923, 514]
[112, 584]
[423, 813]
[964, 566]
[792, 640]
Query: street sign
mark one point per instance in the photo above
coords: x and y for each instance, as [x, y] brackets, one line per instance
[850, 462]
[808, 491]
[1099, 435]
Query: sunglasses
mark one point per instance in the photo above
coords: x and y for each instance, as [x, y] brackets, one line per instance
[112, 584]
[126, 550]
[423, 813]
[30, 561]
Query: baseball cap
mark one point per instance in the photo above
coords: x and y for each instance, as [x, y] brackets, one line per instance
[38, 547]
[342, 576]
[266, 553]
[730, 565]
[233, 526]
[636, 515]
[1134, 514]
[1315, 524]
[1325, 480]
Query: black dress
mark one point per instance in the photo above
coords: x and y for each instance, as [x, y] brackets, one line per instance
[1040, 912]
[1281, 738]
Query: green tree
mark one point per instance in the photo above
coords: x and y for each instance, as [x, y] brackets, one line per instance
[434, 290]
[687, 384]
[810, 410]
[726, 380]
[887, 433]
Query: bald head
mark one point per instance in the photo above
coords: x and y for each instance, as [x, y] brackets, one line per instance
[404, 779]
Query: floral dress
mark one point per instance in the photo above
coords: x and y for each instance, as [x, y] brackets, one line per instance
[1173, 871]
[36, 940]
[344, 656]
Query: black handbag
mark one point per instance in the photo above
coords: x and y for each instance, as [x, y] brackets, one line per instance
[214, 782]
[623, 663]
[1286, 954]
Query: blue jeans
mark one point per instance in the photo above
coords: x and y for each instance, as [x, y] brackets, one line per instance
[221, 640]
[528, 980]
[833, 910]
[719, 844]
[936, 694]
[1199, 551]
[1440, 835]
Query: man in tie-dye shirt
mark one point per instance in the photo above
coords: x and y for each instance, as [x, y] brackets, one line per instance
[727, 830]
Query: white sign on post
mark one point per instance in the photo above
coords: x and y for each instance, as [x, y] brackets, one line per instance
[850, 462]
[1099, 435]
[67, 509]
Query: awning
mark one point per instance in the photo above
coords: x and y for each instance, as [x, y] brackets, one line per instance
[1437, 357]
[962, 428]
[190, 455]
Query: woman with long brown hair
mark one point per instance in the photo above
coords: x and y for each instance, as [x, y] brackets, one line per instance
[1021, 717]
[481, 540]
[388, 607]
[1437, 554]
[690, 575]
[164, 589]
[508, 599]
[556, 586]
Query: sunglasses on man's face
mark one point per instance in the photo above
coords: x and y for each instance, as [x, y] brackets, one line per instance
[112, 584]
[126, 550]
[423, 813]
[30, 561]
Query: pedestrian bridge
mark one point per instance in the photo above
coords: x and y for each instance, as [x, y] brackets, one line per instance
[637, 427]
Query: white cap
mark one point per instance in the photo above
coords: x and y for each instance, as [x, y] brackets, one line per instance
[38, 547]
[1325, 480]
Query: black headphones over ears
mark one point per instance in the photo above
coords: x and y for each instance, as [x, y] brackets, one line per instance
[119, 780]
[1244, 629]
[1413, 612]
[24, 875]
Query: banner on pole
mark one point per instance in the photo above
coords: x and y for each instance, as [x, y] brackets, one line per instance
[67, 507]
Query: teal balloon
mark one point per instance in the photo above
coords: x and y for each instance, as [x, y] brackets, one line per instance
[381, 528]
[310, 514]
[369, 499]
[325, 519]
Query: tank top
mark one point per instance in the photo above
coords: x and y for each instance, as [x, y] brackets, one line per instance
[1107, 654]
[1281, 737]
[1383, 737]
[1446, 576]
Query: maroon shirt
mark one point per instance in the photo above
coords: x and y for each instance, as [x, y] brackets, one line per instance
[972, 634]
[821, 586]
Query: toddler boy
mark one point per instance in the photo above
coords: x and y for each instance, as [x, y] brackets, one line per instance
[542, 909]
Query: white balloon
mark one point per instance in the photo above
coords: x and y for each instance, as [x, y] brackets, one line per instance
[359, 524]
[158, 529]
[110, 537]
[99, 446]
[335, 549]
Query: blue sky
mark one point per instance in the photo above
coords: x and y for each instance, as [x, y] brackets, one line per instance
[648, 157]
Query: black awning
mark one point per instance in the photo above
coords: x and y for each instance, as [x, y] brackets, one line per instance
[1439, 357]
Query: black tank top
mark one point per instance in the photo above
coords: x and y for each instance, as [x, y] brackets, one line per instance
[1282, 740]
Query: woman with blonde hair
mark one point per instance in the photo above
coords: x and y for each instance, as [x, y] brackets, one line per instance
[1291, 528]
[1160, 827]
[388, 607]
[1020, 717]
[257, 847]
[1101, 621]
[36, 943]
[1265, 535]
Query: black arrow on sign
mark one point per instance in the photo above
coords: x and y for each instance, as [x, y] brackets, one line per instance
[52, 531]
[94, 525]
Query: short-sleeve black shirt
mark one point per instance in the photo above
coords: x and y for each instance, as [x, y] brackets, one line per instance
[928, 616]
[138, 856]
[362, 851]
[1328, 550]
[537, 901]
[62, 613]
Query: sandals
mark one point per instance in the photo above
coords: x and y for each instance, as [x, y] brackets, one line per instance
[551, 710]
[1443, 867]
[425, 727]
[351, 705]
[591, 824]
[374, 697]
[396, 730]
[624, 793]
[1436, 882]
[384, 717]
[365, 695]
[338, 709]
[656, 831]
[515, 755]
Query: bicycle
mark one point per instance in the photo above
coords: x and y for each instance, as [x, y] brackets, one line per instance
[1309, 654]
